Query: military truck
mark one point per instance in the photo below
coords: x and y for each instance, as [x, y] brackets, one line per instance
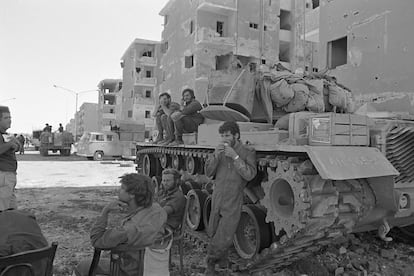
[55, 141]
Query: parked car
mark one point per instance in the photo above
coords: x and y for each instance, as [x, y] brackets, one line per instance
[97, 145]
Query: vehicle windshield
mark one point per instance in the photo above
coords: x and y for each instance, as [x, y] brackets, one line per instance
[85, 137]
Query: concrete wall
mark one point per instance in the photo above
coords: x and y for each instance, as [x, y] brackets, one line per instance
[134, 101]
[88, 118]
[239, 37]
[379, 48]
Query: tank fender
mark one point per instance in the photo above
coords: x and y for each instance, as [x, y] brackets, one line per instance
[340, 163]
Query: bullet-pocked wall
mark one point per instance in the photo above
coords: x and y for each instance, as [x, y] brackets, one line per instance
[368, 46]
[206, 35]
[141, 75]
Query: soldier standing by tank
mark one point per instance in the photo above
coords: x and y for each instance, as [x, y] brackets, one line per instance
[233, 165]
[8, 163]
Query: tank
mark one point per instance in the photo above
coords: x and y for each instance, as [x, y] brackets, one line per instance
[324, 170]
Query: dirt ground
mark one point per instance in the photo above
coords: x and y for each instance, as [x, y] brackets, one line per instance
[66, 214]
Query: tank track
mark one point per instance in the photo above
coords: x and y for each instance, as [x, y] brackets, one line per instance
[325, 214]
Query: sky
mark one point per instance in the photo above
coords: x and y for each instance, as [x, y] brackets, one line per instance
[69, 43]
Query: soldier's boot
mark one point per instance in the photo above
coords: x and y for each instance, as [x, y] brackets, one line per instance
[211, 267]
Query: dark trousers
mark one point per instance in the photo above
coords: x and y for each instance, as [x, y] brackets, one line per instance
[186, 124]
[165, 127]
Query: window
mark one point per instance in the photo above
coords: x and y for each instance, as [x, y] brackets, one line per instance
[147, 114]
[122, 64]
[129, 113]
[147, 93]
[99, 137]
[219, 27]
[191, 26]
[264, 28]
[106, 90]
[252, 67]
[263, 61]
[111, 110]
[148, 74]
[120, 85]
[147, 54]
[285, 21]
[315, 4]
[337, 52]
[189, 61]
[137, 69]
[315, 70]
[253, 25]
[164, 47]
[109, 138]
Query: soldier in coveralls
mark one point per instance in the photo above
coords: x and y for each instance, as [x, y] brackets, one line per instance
[233, 165]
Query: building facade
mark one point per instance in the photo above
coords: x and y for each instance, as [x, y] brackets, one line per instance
[109, 103]
[88, 118]
[141, 76]
[201, 36]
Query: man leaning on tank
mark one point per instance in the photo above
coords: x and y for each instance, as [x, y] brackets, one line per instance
[233, 165]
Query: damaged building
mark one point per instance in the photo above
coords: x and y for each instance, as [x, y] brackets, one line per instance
[364, 45]
[201, 36]
[109, 90]
[141, 75]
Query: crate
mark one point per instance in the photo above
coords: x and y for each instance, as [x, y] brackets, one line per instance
[333, 129]
[264, 138]
[190, 138]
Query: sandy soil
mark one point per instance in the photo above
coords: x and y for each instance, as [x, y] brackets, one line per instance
[66, 209]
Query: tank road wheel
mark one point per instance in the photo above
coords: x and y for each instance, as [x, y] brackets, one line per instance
[164, 160]
[207, 210]
[196, 199]
[177, 162]
[98, 155]
[191, 165]
[156, 184]
[148, 165]
[253, 233]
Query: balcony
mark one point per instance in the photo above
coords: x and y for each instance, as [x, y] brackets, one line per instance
[285, 35]
[148, 61]
[223, 7]
[209, 36]
[145, 81]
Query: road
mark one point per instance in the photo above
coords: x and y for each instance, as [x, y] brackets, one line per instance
[36, 171]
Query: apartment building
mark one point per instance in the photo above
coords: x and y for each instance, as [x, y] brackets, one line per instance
[140, 75]
[88, 118]
[108, 102]
[201, 36]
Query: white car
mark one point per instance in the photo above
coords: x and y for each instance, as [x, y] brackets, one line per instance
[96, 145]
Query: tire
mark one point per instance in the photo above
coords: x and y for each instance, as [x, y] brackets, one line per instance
[43, 152]
[148, 165]
[207, 210]
[196, 202]
[253, 233]
[98, 156]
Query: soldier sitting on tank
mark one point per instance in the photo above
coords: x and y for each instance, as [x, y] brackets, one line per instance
[171, 198]
[164, 125]
[233, 165]
[188, 119]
